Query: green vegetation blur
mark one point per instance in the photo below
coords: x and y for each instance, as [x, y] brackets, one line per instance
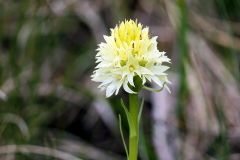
[50, 108]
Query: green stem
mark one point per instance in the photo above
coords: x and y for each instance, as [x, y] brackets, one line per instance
[134, 130]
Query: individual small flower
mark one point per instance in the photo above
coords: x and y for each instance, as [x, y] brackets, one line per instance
[129, 52]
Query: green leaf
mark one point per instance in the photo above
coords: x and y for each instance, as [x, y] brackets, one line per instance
[125, 110]
[122, 136]
[140, 111]
[130, 120]
[153, 89]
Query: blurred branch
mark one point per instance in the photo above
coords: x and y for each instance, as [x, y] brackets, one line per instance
[15, 119]
[46, 89]
[212, 33]
[31, 149]
[85, 11]
[224, 24]
[90, 152]
[3, 95]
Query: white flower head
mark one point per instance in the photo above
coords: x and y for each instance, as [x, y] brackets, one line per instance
[129, 52]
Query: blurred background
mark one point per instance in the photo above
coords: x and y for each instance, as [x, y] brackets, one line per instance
[50, 108]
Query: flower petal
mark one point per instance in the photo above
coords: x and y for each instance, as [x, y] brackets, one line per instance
[130, 79]
[110, 90]
[126, 88]
[157, 81]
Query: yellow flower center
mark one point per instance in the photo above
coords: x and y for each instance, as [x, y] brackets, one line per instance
[131, 68]
[131, 37]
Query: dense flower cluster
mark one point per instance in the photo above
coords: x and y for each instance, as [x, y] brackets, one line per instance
[126, 53]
